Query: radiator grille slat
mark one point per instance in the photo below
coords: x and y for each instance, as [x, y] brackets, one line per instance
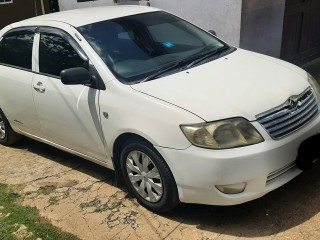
[290, 116]
[287, 116]
[280, 172]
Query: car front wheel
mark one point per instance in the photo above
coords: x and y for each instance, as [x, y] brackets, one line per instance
[148, 177]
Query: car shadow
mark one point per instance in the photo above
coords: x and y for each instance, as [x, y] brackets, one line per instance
[66, 159]
[287, 207]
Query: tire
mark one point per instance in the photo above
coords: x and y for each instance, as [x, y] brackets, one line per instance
[7, 136]
[148, 177]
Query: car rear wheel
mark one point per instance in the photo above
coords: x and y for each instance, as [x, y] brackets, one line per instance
[148, 177]
[7, 135]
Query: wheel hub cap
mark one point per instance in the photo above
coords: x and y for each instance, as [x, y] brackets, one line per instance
[2, 129]
[144, 176]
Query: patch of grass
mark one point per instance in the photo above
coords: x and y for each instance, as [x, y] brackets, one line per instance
[84, 189]
[108, 206]
[53, 200]
[94, 203]
[111, 204]
[46, 190]
[66, 194]
[25, 222]
[17, 187]
[29, 193]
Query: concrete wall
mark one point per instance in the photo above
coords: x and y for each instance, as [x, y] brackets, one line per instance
[72, 4]
[255, 25]
[222, 16]
[133, 2]
[262, 26]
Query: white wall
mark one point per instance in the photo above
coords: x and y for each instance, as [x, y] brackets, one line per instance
[72, 4]
[222, 16]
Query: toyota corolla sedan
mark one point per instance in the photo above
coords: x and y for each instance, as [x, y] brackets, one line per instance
[180, 115]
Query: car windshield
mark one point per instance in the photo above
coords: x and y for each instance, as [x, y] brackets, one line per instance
[142, 47]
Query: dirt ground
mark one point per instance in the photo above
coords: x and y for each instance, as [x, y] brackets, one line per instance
[81, 198]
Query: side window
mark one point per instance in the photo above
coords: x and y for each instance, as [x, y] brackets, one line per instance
[16, 49]
[56, 54]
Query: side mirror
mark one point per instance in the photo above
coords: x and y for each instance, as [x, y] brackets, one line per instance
[75, 76]
[212, 32]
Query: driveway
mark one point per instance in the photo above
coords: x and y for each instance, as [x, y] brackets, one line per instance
[81, 197]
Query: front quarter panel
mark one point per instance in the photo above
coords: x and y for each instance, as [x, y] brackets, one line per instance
[125, 110]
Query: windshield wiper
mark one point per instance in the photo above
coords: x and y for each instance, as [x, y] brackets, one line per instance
[182, 65]
[209, 55]
[165, 70]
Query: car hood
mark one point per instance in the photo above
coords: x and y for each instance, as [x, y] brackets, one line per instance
[241, 84]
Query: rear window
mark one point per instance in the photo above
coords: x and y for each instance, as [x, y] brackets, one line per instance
[16, 49]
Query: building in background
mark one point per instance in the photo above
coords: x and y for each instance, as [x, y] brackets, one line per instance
[72, 4]
[287, 29]
[16, 10]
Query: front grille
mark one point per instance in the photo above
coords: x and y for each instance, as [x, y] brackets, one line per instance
[293, 114]
[280, 172]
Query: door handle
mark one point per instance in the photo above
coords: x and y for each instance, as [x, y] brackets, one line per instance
[39, 87]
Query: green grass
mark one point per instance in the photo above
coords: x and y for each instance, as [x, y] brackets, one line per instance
[12, 216]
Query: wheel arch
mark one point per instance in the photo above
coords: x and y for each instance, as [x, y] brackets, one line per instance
[116, 151]
[127, 138]
[10, 137]
[118, 146]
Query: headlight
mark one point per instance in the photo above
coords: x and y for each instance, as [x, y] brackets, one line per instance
[315, 85]
[229, 133]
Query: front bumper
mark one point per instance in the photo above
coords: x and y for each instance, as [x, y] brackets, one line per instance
[264, 167]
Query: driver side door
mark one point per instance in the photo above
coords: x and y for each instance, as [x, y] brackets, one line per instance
[69, 114]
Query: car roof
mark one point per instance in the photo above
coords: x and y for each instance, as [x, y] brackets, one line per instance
[84, 16]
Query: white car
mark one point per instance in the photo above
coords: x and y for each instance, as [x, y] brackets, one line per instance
[178, 114]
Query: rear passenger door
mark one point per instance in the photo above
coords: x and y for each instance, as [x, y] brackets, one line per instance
[69, 114]
[16, 65]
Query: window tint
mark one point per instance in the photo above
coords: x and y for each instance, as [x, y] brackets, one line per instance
[6, 1]
[16, 49]
[175, 33]
[56, 54]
